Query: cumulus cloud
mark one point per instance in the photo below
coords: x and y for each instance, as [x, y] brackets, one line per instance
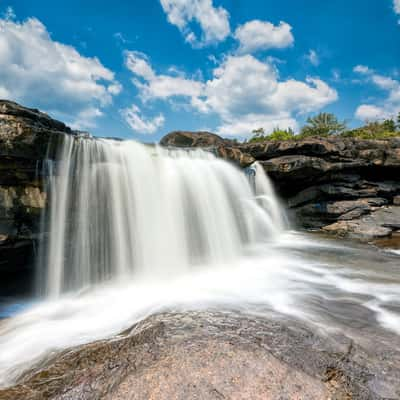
[36, 70]
[141, 124]
[389, 107]
[247, 92]
[159, 86]
[244, 92]
[313, 58]
[213, 21]
[260, 35]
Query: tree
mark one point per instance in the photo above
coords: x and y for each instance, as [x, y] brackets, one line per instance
[258, 135]
[323, 124]
[258, 132]
[398, 121]
[389, 125]
[281, 134]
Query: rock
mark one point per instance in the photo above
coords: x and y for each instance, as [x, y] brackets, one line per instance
[215, 355]
[26, 133]
[396, 200]
[221, 147]
[191, 139]
[234, 155]
[27, 137]
[317, 176]
[336, 210]
[378, 224]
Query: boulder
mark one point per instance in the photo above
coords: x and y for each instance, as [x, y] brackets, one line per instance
[379, 223]
[223, 148]
[215, 355]
[191, 139]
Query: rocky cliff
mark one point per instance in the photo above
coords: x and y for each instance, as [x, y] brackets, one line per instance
[26, 136]
[350, 187]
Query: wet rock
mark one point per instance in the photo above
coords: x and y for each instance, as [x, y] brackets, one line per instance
[378, 224]
[215, 355]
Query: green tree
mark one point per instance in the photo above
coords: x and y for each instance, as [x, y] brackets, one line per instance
[323, 124]
[258, 135]
[389, 125]
[398, 121]
[281, 134]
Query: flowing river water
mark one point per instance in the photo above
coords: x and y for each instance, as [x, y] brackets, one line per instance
[135, 230]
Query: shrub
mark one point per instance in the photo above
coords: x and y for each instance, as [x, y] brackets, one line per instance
[323, 124]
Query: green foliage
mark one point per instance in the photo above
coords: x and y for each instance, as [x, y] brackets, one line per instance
[281, 134]
[389, 125]
[277, 134]
[326, 124]
[374, 130]
[323, 124]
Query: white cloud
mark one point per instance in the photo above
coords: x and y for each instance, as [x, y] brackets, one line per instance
[368, 112]
[86, 118]
[153, 86]
[396, 6]
[259, 35]
[313, 58]
[213, 21]
[38, 71]
[4, 93]
[139, 123]
[245, 125]
[361, 69]
[244, 93]
[389, 107]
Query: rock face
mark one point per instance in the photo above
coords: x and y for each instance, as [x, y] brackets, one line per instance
[223, 148]
[211, 355]
[335, 184]
[26, 136]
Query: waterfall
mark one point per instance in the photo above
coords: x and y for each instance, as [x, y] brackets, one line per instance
[121, 209]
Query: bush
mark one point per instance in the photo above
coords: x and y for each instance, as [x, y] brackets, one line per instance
[277, 134]
[323, 124]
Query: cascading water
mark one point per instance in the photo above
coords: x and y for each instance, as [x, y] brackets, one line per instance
[148, 230]
[120, 210]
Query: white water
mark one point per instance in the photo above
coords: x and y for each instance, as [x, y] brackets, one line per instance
[123, 210]
[137, 230]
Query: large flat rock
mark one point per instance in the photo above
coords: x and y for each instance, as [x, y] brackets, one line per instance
[215, 355]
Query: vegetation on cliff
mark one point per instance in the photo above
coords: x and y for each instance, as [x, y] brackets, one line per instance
[327, 124]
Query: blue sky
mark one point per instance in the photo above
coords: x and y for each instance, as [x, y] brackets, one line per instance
[139, 69]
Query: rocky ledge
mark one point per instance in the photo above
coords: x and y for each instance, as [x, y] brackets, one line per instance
[215, 355]
[26, 136]
[349, 187]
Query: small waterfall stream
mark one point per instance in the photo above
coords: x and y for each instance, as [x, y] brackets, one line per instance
[120, 210]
